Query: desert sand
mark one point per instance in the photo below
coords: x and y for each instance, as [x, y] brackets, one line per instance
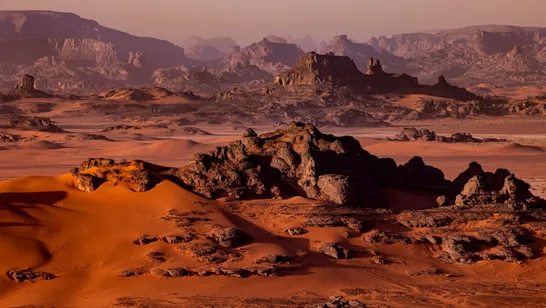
[87, 239]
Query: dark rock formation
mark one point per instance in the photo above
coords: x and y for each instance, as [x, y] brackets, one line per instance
[302, 161]
[297, 161]
[271, 57]
[476, 187]
[139, 175]
[28, 123]
[340, 302]
[145, 239]
[316, 69]
[28, 274]
[133, 272]
[334, 250]
[423, 134]
[229, 237]
[177, 239]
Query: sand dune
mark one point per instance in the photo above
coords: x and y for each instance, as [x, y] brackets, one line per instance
[160, 148]
[516, 148]
[41, 145]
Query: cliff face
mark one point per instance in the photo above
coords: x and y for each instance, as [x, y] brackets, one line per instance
[36, 25]
[484, 53]
[316, 69]
[272, 57]
[360, 53]
[335, 72]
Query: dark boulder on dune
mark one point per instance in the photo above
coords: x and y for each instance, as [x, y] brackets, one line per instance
[301, 161]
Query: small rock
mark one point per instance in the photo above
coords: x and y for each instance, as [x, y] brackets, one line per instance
[157, 257]
[145, 239]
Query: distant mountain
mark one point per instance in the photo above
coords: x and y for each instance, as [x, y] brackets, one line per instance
[224, 45]
[68, 53]
[272, 56]
[306, 43]
[38, 26]
[360, 53]
[498, 54]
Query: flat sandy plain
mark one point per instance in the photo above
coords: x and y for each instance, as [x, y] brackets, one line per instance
[86, 239]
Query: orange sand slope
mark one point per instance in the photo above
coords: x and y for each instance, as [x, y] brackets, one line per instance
[87, 239]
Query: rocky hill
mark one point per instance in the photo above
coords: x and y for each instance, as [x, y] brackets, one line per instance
[68, 53]
[330, 71]
[360, 53]
[273, 57]
[37, 26]
[493, 53]
[224, 45]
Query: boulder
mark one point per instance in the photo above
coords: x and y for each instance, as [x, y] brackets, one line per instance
[334, 250]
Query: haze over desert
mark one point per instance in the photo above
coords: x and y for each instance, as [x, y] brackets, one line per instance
[355, 170]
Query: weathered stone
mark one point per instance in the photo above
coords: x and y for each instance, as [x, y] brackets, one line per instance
[334, 250]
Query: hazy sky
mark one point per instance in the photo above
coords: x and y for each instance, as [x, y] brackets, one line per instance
[250, 20]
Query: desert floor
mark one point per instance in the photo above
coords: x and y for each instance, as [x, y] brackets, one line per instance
[86, 239]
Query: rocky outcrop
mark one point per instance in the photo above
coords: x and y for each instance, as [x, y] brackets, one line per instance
[137, 59]
[316, 69]
[501, 187]
[333, 250]
[62, 26]
[28, 274]
[496, 53]
[28, 123]
[271, 57]
[360, 53]
[302, 161]
[340, 71]
[423, 134]
[138, 175]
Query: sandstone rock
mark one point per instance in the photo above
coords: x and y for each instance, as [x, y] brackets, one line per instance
[174, 272]
[27, 83]
[442, 201]
[229, 237]
[334, 188]
[501, 187]
[133, 272]
[28, 274]
[86, 182]
[157, 257]
[273, 259]
[334, 250]
[340, 302]
[145, 239]
[417, 175]
[295, 231]
[29, 123]
[177, 239]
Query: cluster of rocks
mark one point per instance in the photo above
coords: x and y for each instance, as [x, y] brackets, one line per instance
[329, 70]
[302, 161]
[25, 89]
[28, 274]
[423, 134]
[475, 187]
[507, 244]
[9, 138]
[29, 123]
[340, 302]
[431, 108]
[333, 249]
[233, 272]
